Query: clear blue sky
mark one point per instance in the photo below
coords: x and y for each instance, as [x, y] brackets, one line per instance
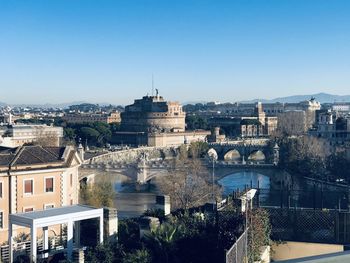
[106, 51]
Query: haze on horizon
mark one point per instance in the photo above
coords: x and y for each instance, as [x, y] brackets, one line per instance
[106, 51]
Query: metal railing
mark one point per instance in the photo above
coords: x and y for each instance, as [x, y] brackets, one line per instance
[23, 248]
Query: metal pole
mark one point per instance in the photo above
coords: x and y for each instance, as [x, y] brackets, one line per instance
[246, 228]
[258, 192]
[213, 186]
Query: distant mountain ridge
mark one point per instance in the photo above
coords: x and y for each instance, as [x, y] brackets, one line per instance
[321, 97]
[51, 105]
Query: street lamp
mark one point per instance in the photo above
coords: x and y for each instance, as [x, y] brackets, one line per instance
[213, 157]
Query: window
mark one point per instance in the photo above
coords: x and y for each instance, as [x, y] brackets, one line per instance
[49, 185]
[28, 186]
[1, 219]
[71, 179]
[0, 189]
[28, 209]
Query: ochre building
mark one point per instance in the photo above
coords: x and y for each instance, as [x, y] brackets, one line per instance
[36, 178]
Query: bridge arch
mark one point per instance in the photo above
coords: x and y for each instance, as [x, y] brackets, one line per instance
[257, 156]
[212, 153]
[232, 155]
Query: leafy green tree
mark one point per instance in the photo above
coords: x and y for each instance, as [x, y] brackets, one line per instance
[90, 134]
[195, 122]
[138, 256]
[101, 253]
[104, 132]
[129, 234]
[69, 134]
[161, 241]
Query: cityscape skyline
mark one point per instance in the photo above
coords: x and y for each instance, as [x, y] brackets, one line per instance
[320, 97]
[197, 50]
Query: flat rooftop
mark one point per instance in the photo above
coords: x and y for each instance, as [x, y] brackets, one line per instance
[64, 210]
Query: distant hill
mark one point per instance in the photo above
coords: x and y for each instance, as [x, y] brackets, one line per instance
[53, 105]
[321, 97]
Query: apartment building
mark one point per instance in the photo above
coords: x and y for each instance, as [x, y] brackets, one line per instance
[113, 117]
[36, 178]
[17, 135]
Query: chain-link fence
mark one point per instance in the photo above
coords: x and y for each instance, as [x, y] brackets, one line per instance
[238, 253]
[312, 198]
[321, 226]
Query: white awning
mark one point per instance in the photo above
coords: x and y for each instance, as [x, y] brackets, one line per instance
[54, 216]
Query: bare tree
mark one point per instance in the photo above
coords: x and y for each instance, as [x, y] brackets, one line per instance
[187, 182]
[45, 138]
[314, 147]
[291, 123]
[99, 194]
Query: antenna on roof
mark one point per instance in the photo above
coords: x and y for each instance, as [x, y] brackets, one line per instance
[152, 85]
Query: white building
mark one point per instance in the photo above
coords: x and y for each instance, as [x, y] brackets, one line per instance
[17, 135]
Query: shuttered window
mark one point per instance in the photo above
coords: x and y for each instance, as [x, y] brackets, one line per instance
[1, 219]
[48, 184]
[1, 190]
[28, 186]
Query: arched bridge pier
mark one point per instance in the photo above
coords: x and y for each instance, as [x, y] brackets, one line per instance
[245, 152]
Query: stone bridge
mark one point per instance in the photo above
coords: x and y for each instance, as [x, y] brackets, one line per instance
[141, 164]
[245, 151]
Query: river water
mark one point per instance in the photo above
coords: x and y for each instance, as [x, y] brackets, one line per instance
[240, 180]
[132, 202]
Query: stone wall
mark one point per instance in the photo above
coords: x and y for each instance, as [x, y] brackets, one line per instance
[133, 155]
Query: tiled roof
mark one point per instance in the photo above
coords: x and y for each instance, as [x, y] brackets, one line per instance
[6, 155]
[28, 155]
[38, 155]
[5, 159]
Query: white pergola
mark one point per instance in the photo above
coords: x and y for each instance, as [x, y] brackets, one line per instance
[54, 216]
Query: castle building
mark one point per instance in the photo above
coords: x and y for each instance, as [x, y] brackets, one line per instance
[153, 121]
[153, 114]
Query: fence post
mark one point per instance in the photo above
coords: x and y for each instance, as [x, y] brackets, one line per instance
[321, 196]
[258, 192]
[281, 196]
[337, 226]
[236, 252]
[345, 220]
[314, 201]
